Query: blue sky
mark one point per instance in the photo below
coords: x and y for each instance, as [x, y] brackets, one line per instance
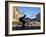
[30, 12]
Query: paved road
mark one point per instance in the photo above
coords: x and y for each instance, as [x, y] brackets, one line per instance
[26, 28]
[31, 25]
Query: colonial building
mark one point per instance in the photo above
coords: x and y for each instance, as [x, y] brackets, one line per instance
[38, 17]
[16, 15]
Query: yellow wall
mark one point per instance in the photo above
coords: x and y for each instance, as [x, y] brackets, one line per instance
[17, 15]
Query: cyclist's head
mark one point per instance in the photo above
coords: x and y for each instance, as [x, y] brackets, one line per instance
[24, 15]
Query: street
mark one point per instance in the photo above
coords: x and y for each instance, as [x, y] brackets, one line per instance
[28, 26]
